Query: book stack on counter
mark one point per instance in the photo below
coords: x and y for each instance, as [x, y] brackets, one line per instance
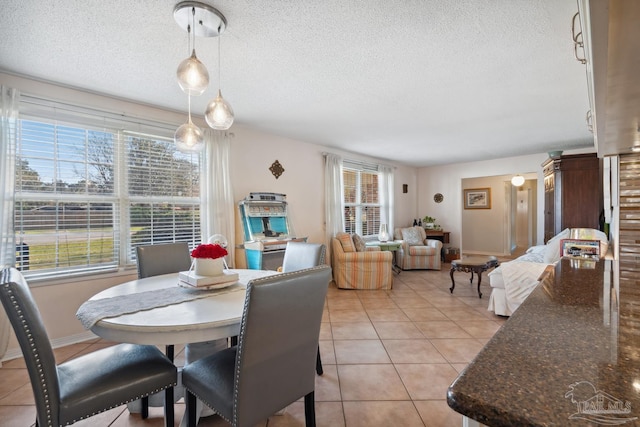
[189, 279]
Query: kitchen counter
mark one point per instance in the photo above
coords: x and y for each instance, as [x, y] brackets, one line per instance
[570, 355]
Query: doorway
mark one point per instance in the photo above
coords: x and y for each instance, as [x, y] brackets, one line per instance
[523, 214]
[508, 227]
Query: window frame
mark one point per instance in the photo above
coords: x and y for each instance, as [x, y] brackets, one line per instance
[121, 127]
[360, 168]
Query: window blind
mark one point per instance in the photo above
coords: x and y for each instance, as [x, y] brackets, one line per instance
[361, 198]
[91, 187]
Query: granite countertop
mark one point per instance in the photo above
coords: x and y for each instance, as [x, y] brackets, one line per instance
[570, 355]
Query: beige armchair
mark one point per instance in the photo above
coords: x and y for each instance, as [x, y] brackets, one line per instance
[367, 268]
[416, 251]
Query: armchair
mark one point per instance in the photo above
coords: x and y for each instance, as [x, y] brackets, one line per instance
[366, 269]
[416, 251]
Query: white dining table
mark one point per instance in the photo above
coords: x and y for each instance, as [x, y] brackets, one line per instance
[206, 318]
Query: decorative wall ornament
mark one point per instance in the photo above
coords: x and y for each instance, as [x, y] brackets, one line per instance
[276, 169]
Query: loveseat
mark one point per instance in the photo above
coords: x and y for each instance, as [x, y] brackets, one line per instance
[513, 281]
[356, 266]
[416, 251]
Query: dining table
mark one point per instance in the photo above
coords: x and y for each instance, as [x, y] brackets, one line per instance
[157, 311]
[163, 311]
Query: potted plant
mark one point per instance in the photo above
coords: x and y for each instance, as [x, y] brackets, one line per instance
[428, 222]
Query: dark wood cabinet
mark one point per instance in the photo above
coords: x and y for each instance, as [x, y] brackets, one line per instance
[572, 193]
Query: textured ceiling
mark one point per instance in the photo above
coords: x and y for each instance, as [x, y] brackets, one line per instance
[419, 82]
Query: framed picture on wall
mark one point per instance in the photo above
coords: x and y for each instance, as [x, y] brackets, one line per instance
[477, 198]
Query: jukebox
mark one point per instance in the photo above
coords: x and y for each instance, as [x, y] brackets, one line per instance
[267, 229]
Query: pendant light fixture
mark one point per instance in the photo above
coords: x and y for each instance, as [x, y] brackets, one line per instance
[193, 76]
[198, 19]
[189, 137]
[219, 114]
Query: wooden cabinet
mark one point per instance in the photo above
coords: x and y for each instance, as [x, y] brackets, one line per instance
[572, 193]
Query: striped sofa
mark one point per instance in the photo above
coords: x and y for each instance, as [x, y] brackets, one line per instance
[416, 251]
[369, 268]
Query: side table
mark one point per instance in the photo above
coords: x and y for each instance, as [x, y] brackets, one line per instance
[390, 246]
[474, 264]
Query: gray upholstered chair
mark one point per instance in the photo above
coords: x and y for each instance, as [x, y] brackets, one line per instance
[84, 386]
[301, 255]
[272, 365]
[154, 260]
[165, 258]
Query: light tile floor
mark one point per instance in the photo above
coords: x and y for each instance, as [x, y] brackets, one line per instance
[388, 359]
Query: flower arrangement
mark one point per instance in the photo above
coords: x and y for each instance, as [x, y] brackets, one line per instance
[209, 250]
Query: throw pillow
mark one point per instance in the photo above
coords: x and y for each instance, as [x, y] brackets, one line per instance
[552, 251]
[412, 236]
[358, 242]
[347, 243]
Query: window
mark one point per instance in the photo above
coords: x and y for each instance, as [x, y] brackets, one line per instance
[87, 195]
[362, 204]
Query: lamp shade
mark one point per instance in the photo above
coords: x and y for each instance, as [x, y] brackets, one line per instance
[517, 180]
[193, 76]
[219, 114]
[189, 138]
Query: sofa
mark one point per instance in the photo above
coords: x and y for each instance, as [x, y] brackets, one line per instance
[513, 281]
[357, 266]
[416, 251]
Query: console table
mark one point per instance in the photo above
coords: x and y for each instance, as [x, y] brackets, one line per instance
[443, 236]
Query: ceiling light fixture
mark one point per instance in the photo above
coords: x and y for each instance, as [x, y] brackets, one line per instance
[517, 180]
[189, 137]
[219, 114]
[193, 76]
[202, 20]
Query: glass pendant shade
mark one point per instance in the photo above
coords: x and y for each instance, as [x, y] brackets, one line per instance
[193, 76]
[189, 138]
[517, 180]
[219, 114]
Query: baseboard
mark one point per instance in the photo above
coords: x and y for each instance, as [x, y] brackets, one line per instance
[14, 353]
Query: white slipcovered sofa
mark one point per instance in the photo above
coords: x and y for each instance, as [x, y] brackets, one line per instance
[513, 281]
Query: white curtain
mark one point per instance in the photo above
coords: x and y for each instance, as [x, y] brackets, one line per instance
[217, 208]
[9, 99]
[386, 184]
[334, 200]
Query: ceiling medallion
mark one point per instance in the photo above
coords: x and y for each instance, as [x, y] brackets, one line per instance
[276, 169]
[438, 198]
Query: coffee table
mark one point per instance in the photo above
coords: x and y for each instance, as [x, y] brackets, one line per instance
[474, 264]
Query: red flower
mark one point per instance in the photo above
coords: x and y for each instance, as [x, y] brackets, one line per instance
[209, 250]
